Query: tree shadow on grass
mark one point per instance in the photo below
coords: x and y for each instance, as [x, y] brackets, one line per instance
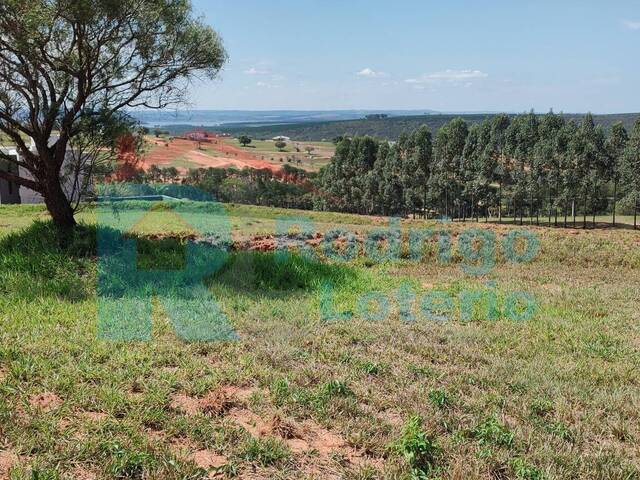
[43, 262]
[280, 274]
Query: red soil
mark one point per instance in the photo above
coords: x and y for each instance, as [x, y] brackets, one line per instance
[165, 151]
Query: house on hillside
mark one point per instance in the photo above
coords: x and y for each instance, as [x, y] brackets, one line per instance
[198, 136]
[281, 138]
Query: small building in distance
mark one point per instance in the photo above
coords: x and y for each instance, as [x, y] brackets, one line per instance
[281, 138]
[198, 136]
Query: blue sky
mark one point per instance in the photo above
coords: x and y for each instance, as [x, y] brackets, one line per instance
[571, 56]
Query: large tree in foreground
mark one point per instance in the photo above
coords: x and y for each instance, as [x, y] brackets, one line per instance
[68, 67]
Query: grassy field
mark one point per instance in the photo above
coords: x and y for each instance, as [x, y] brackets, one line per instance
[298, 396]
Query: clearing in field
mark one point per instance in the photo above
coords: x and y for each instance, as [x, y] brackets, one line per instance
[223, 152]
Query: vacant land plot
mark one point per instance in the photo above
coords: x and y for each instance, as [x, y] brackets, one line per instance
[308, 393]
[307, 155]
[186, 154]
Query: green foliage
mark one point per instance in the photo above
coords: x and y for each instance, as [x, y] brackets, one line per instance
[492, 432]
[43, 260]
[420, 450]
[440, 398]
[244, 140]
[336, 388]
[524, 470]
[256, 187]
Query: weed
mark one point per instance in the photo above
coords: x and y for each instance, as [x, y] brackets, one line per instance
[440, 398]
[420, 450]
[524, 470]
[492, 432]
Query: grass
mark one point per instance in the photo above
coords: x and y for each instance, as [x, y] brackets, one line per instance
[300, 397]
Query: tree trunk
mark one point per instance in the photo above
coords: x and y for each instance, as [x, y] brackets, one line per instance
[615, 195]
[584, 213]
[530, 208]
[635, 214]
[500, 203]
[58, 205]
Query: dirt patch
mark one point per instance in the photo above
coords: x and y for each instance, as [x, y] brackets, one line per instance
[81, 473]
[45, 401]
[219, 154]
[8, 460]
[269, 243]
[284, 428]
[302, 438]
[216, 402]
[208, 459]
[93, 416]
[185, 404]
[251, 422]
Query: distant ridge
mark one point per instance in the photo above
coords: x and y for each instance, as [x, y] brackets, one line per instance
[388, 128]
[213, 118]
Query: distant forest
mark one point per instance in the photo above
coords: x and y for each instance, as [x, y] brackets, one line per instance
[519, 166]
[389, 128]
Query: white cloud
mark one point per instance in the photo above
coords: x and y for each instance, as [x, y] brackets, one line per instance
[369, 73]
[266, 85]
[631, 24]
[457, 77]
[255, 71]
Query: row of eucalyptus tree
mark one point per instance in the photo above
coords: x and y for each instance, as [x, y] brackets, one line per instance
[542, 168]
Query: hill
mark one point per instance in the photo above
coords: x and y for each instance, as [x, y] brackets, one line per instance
[389, 128]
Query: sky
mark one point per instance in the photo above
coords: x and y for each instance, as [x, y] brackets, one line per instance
[513, 56]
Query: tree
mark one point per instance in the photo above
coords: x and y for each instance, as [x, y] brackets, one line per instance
[631, 170]
[128, 162]
[616, 143]
[589, 151]
[244, 140]
[475, 178]
[495, 164]
[448, 152]
[169, 174]
[547, 161]
[309, 149]
[66, 64]
[521, 137]
[280, 145]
